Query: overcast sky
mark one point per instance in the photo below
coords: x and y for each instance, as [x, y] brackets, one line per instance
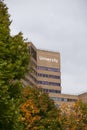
[58, 25]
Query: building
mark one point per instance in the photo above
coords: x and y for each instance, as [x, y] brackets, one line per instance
[31, 76]
[83, 97]
[46, 74]
[48, 71]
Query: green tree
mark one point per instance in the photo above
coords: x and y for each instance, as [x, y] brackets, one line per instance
[14, 59]
[4, 22]
[41, 110]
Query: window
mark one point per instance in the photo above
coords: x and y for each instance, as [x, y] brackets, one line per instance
[48, 69]
[49, 83]
[55, 98]
[63, 99]
[51, 91]
[32, 77]
[71, 100]
[48, 76]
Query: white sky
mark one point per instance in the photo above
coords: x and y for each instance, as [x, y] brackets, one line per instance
[58, 25]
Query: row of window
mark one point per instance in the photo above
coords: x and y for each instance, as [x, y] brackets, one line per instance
[48, 76]
[51, 91]
[28, 81]
[63, 99]
[48, 69]
[34, 79]
[48, 83]
[45, 82]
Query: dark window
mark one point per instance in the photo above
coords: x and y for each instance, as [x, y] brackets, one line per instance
[49, 83]
[48, 76]
[51, 90]
[48, 69]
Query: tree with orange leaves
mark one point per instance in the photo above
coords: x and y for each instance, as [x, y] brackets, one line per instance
[74, 117]
[38, 111]
[30, 114]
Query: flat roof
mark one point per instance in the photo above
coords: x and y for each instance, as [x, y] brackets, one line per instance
[51, 51]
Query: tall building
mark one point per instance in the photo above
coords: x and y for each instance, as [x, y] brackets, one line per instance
[45, 70]
[48, 71]
[46, 74]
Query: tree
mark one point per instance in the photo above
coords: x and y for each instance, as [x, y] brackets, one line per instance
[74, 117]
[4, 22]
[30, 115]
[14, 59]
[39, 111]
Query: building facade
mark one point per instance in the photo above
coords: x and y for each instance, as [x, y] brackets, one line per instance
[31, 76]
[48, 71]
[46, 74]
[83, 97]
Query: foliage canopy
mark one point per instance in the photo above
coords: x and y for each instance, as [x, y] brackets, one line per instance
[14, 58]
[39, 111]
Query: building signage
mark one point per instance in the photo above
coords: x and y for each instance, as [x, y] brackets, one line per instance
[48, 59]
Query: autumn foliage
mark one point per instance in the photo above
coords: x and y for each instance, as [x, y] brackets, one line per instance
[30, 114]
[74, 117]
[26, 108]
[38, 111]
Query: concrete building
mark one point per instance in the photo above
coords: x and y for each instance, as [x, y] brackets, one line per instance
[48, 71]
[46, 74]
[31, 76]
[83, 97]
